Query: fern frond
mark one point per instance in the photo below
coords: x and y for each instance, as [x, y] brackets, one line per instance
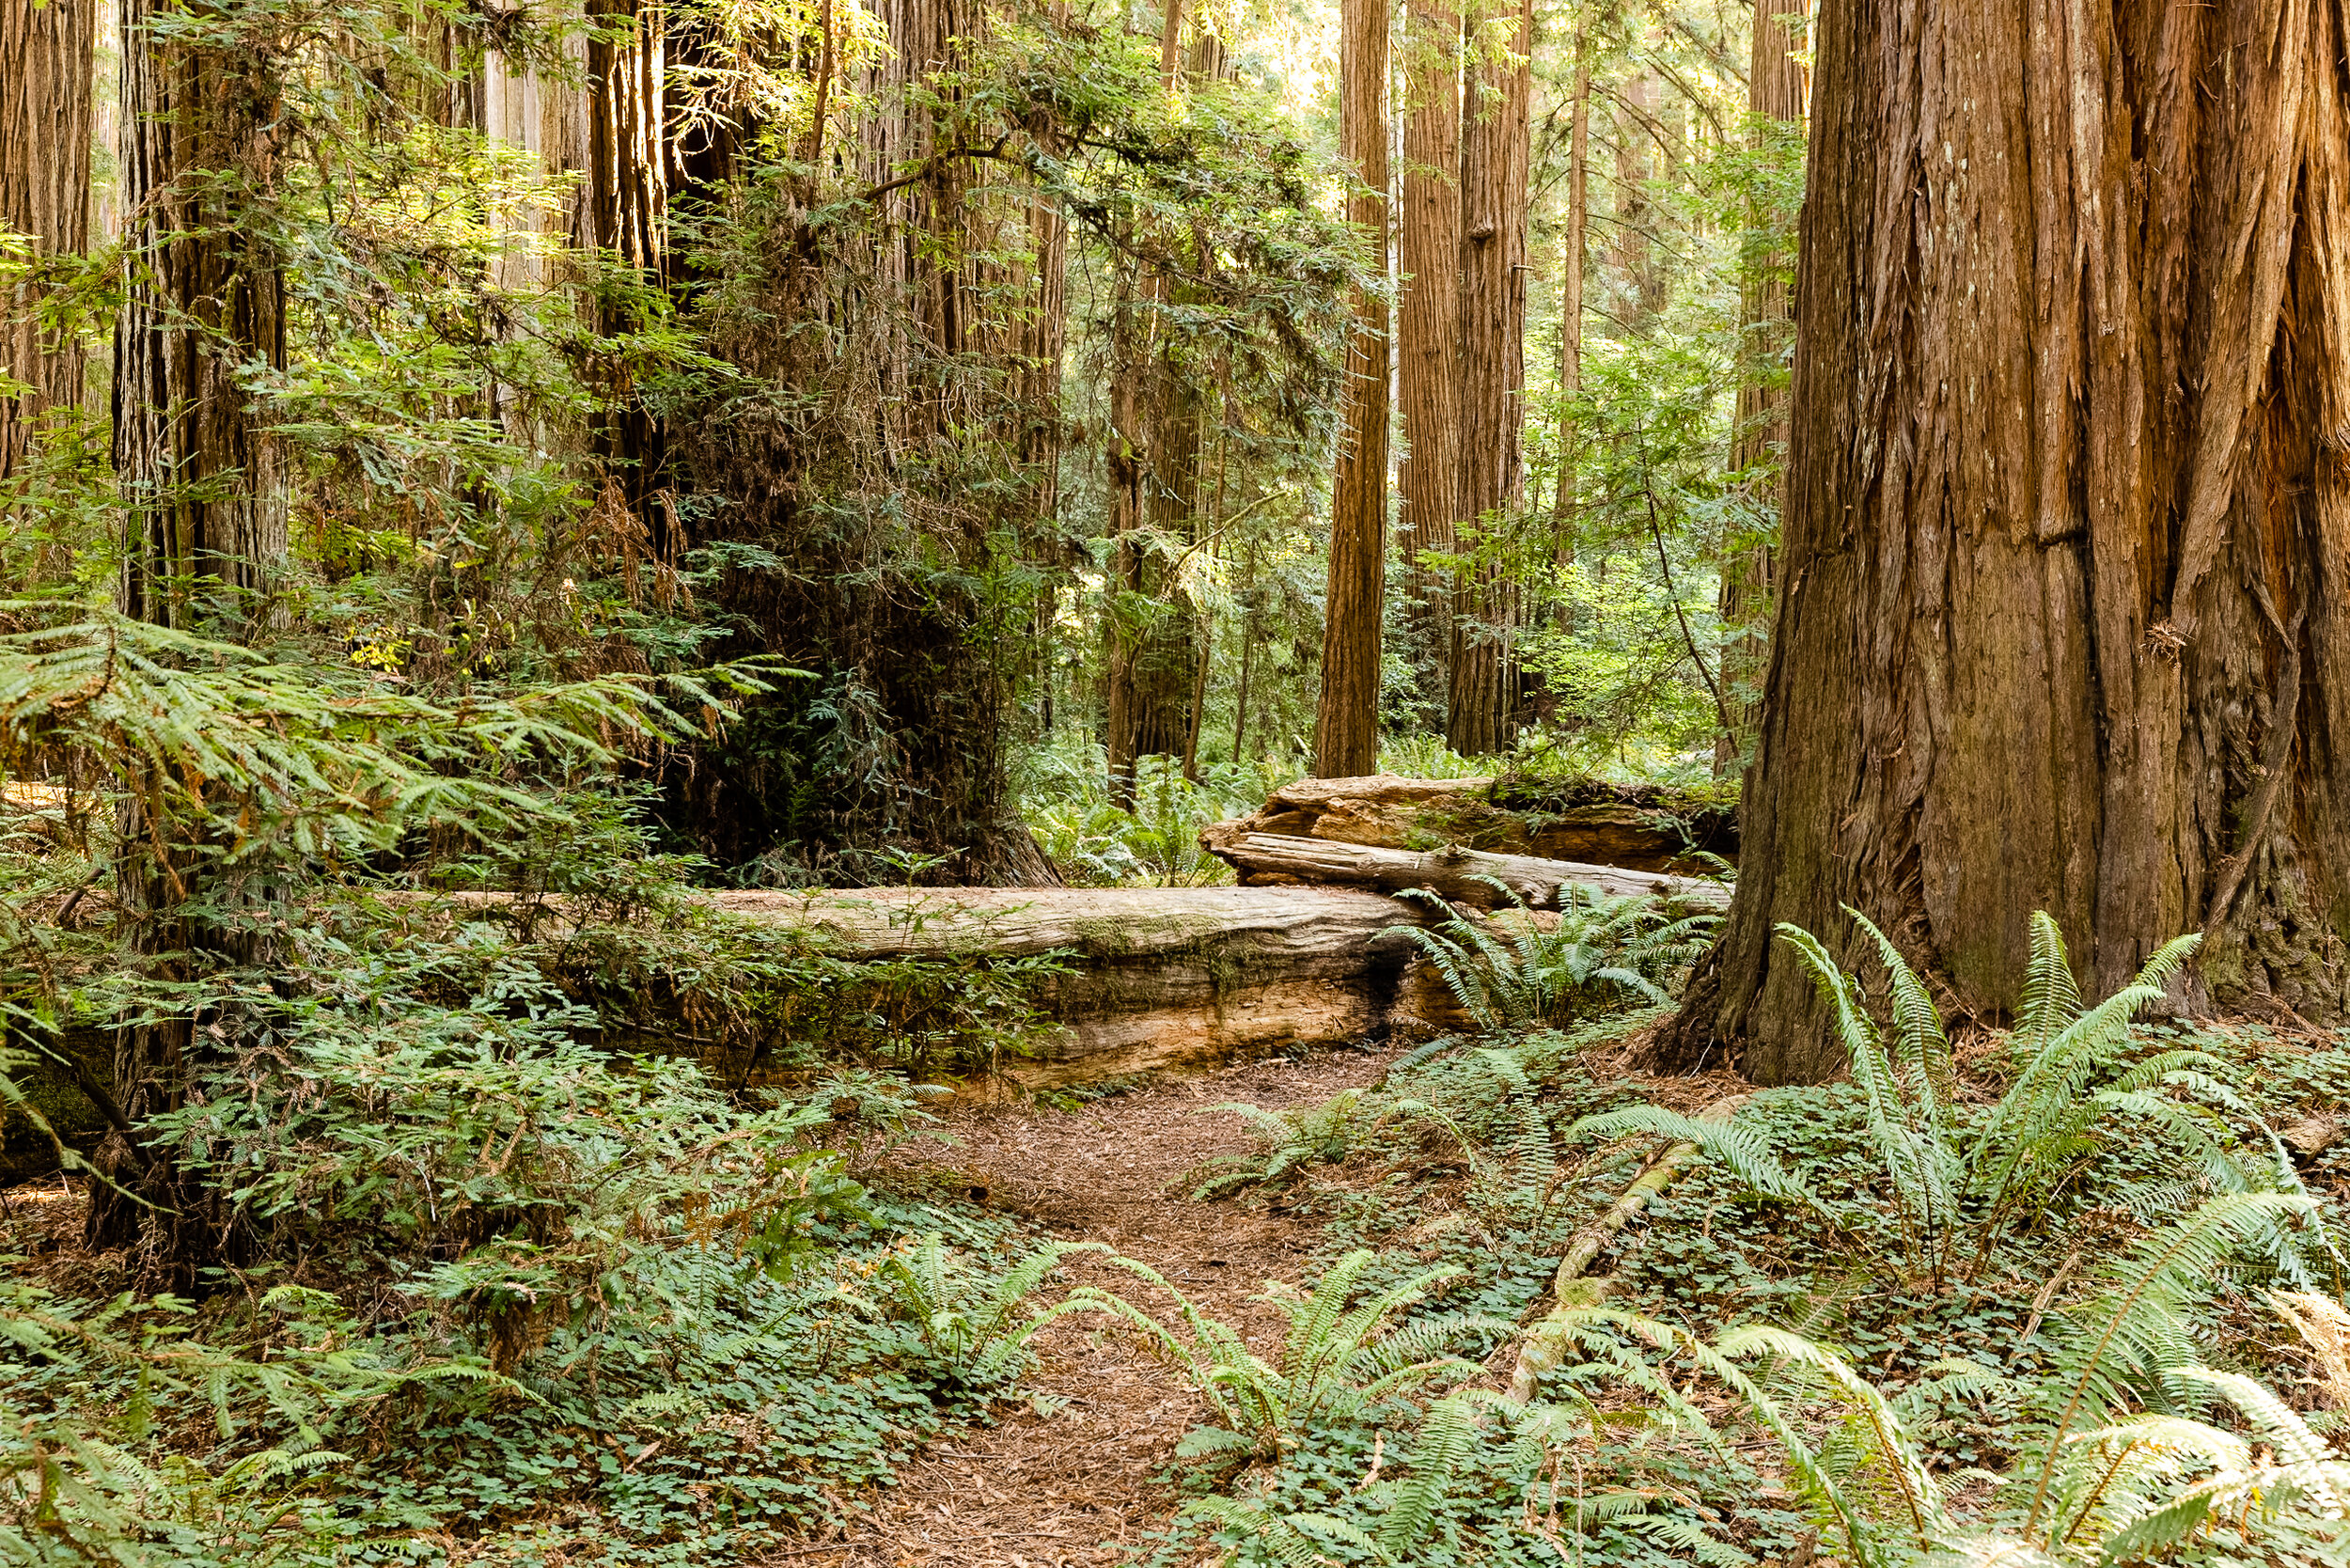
[2132, 1329]
[1748, 1154]
[1447, 1437]
[1686, 1535]
[2051, 998]
[1896, 1455]
[1290, 1537]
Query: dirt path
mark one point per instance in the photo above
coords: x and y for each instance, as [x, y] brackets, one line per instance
[1069, 1489]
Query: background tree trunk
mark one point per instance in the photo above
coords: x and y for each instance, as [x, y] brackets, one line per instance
[1346, 719]
[1480, 712]
[1428, 366]
[1153, 466]
[2066, 563]
[201, 482]
[45, 102]
[1775, 89]
[1572, 263]
[1639, 158]
[203, 488]
[626, 211]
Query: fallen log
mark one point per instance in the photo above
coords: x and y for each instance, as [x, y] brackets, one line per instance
[1642, 828]
[1158, 977]
[1454, 873]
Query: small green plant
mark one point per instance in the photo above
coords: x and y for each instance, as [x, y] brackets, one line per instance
[972, 1323]
[1288, 1140]
[1524, 969]
[1448, 1437]
[1153, 840]
[1342, 1358]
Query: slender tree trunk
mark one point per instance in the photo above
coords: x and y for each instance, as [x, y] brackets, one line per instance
[1429, 321]
[1153, 461]
[1128, 467]
[203, 490]
[1776, 90]
[1346, 717]
[1570, 306]
[1638, 153]
[2065, 614]
[1483, 696]
[625, 210]
[45, 105]
[1247, 647]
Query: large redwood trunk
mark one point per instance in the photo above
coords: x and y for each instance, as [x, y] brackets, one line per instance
[1481, 710]
[625, 210]
[45, 102]
[2065, 622]
[1428, 319]
[204, 494]
[1346, 717]
[1152, 652]
[201, 482]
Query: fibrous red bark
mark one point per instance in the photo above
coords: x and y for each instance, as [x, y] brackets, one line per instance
[1481, 711]
[45, 102]
[2066, 614]
[1346, 717]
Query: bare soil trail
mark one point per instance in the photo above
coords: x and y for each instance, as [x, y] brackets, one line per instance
[1073, 1488]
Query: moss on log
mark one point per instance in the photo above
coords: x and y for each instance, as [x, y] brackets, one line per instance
[1633, 827]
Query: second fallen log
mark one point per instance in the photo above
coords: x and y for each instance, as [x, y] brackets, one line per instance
[1456, 874]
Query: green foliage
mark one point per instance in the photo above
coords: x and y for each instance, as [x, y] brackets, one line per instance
[972, 1322]
[2096, 1485]
[1961, 1181]
[1064, 795]
[1288, 1140]
[1341, 1360]
[1547, 970]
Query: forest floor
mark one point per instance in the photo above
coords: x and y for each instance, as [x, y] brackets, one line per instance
[1081, 1485]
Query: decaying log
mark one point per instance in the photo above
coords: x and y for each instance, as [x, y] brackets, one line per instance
[1269, 859]
[1642, 828]
[1159, 977]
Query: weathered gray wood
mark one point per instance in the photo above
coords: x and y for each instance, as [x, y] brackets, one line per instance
[1639, 828]
[1159, 977]
[1453, 872]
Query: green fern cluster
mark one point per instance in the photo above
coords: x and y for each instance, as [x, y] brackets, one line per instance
[2121, 1463]
[973, 1324]
[1448, 1437]
[1341, 1360]
[1288, 1140]
[1961, 1181]
[1512, 973]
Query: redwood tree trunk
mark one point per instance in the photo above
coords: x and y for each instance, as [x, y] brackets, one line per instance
[1480, 712]
[1346, 720]
[1153, 467]
[1775, 90]
[1572, 262]
[1428, 368]
[2067, 547]
[202, 487]
[45, 104]
[201, 483]
[626, 211]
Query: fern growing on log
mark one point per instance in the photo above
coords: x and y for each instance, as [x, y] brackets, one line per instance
[1512, 973]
